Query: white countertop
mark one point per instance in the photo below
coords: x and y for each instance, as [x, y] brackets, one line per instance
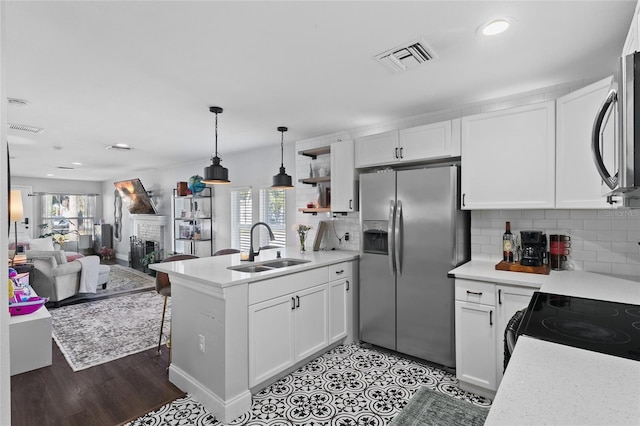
[214, 270]
[552, 384]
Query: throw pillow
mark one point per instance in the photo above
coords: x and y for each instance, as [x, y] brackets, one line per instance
[41, 244]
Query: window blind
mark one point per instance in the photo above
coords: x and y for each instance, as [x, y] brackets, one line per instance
[241, 218]
[273, 212]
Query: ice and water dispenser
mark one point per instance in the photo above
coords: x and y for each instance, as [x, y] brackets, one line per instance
[375, 234]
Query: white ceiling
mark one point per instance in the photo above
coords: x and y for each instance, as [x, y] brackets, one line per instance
[145, 73]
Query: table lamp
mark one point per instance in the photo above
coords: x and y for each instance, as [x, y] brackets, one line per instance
[16, 214]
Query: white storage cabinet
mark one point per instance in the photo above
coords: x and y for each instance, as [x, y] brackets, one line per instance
[421, 143]
[343, 178]
[578, 184]
[508, 158]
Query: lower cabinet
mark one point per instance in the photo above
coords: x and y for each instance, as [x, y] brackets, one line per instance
[510, 299]
[482, 312]
[341, 300]
[475, 337]
[285, 330]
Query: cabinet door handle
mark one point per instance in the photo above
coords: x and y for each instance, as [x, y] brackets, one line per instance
[500, 297]
[350, 204]
[401, 152]
[297, 301]
[463, 204]
[397, 152]
[477, 293]
[491, 317]
[341, 271]
[347, 285]
[293, 303]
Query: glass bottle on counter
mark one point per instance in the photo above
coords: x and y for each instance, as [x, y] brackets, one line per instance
[507, 244]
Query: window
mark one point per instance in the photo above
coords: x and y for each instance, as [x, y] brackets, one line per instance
[273, 212]
[70, 214]
[241, 218]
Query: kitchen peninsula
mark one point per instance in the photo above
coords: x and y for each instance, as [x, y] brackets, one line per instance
[235, 332]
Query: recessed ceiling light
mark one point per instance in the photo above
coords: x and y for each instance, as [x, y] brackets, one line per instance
[50, 174]
[122, 145]
[75, 163]
[495, 27]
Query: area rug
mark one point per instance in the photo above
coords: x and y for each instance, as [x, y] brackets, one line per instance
[122, 280]
[428, 407]
[100, 331]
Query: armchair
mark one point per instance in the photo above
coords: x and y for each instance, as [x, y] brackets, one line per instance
[57, 279]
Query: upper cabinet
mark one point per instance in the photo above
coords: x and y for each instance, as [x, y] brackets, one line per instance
[337, 183]
[578, 183]
[431, 141]
[343, 179]
[508, 158]
[631, 42]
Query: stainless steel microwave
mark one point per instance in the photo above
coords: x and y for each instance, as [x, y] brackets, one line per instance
[617, 158]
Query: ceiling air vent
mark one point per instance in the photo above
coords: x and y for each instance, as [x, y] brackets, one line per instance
[406, 56]
[24, 128]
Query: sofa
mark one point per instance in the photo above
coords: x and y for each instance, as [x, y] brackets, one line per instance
[57, 279]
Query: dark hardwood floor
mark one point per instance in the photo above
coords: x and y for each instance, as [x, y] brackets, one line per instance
[107, 394]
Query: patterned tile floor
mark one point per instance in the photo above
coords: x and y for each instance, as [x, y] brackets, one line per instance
[349, 385]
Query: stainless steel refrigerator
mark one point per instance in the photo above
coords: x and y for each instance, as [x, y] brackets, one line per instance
[413, 233]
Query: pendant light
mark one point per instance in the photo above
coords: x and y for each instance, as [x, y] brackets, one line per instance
[215, 173]
[282, 180]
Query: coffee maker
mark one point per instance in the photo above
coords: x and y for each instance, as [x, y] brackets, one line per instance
[534, 248]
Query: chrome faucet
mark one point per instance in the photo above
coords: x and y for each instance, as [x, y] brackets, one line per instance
[253, 254]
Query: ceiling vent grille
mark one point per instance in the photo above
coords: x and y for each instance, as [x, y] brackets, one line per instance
[407, 56]
[65, 168]
[25, 128]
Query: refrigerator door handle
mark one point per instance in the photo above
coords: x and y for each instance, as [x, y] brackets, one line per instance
[390, 237]
[398, 237]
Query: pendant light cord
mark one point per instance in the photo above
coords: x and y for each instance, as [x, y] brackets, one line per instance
[216, 133]
[281, 148]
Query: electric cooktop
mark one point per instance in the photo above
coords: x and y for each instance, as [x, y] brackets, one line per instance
[608, 327]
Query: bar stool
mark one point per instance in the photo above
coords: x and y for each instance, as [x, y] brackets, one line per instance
[163, 287]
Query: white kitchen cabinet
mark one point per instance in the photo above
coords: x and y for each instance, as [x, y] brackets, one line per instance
[631, 42]
[510, 299]
[431, 141]
[285, 330]
[343, 179]
[508, 158]
[340, 300]
[475, 345]
[482, 312]
[578, 184]
[271, 337]
[421, 143]
[311, 322]
[378, 149]
[476, 332]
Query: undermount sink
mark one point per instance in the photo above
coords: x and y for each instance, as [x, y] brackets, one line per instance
[250, 268]
[268, 266]
[283, 263]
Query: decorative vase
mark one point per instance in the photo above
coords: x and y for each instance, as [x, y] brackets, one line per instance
[303, 242]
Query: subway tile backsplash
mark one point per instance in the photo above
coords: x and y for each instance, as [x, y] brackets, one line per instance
[604, 241]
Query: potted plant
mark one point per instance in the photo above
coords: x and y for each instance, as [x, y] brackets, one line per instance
[149, 258]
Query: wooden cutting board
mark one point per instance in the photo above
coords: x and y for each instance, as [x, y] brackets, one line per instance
[517, 267]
